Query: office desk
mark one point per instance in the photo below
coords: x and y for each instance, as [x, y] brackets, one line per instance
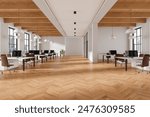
[126, 59]
[41, 56]
[23, 60]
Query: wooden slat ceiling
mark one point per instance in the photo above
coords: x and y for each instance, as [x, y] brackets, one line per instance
[126, 13]
[25, 14]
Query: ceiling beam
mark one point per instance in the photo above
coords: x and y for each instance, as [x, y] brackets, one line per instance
[128, 14]
[43, 33]
[32, 24]
[21, 14]
[123, 1]
[50, 30]
[26, 20]
[39, 27]
[17, 4]
[116, 24]
[131, 5]
[123, 20]
[48, 33]
[25, 14]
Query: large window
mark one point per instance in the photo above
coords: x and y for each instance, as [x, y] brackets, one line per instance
[13, 43]
[35, 42]
[27, 42]
[137, 41]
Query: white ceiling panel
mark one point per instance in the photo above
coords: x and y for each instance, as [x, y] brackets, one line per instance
[86, 11]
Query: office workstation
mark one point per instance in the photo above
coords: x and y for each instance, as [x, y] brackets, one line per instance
[87, 53]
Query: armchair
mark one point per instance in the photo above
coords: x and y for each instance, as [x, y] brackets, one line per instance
[5, 64]
[144, 66]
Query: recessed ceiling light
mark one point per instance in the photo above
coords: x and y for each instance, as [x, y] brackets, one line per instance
[75, 22]
[74, 28]
[74, 12]
[74, 32]
[75, 35]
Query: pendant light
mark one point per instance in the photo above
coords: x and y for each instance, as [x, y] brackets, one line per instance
[130, 29]
[35, 33]
[18, 33]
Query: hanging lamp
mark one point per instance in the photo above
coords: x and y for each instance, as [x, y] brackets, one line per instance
[130, 29]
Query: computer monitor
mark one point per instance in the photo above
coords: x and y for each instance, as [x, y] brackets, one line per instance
[16, 53]
[133, 53]
[113, 52]
[36, 52]
[46, 51]
[52, 51]
[31, 51]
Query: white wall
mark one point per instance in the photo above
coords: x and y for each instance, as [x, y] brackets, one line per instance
[90, 44]
[0, 33]
[105, 42]
[74, 46]
[53, 43]
[4, 37]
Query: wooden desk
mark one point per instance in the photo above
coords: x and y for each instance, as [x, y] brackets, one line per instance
[125, 59]
[27, 58]
[23, 59]
[41, 56]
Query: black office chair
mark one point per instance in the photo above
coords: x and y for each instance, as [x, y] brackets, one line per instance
[108, 57]
[52, 52]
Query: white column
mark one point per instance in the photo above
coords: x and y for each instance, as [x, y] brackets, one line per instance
[1, 34]
[95, 44]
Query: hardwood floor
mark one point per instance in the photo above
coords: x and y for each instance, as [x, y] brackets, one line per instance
[74, 78]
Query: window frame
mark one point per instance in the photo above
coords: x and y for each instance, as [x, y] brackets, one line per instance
[13, 41]
[137, 41]
[26, 42]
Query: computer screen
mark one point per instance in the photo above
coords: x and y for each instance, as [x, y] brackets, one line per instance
[36, 52]
[113, 52]
[46, 51]
[133, 53]
[31, 51]
[52, 51]
[16, 53]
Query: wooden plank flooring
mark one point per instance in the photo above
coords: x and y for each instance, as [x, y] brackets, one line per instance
[74, 78]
